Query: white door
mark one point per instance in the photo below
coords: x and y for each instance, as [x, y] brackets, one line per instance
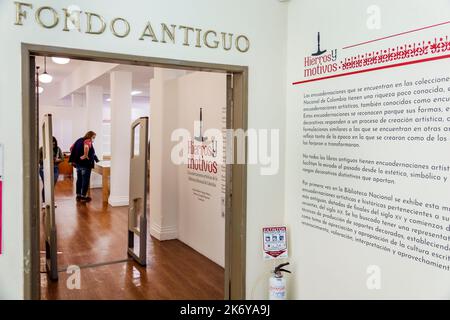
[49, 195]
[137, 212]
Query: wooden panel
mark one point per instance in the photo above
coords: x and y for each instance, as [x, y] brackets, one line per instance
[105, 172]
[65, 168]
[30, 178]
[239, 193]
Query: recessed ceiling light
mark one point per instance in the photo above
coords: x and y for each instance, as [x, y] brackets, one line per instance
[135, 93]
[40, 90]
[108, 100]
[61, 60]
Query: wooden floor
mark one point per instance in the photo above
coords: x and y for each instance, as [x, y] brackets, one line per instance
[89, 234]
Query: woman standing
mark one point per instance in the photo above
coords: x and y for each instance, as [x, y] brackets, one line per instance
[58, 157]
[83, 158]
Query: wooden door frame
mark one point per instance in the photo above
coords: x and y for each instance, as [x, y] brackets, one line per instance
[236, 199]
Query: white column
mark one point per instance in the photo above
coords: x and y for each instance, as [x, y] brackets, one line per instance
[94, 115]
[163, 174]
[94, 103]
[120, 137]
[77, 100]
[79, 128]
[156, 174]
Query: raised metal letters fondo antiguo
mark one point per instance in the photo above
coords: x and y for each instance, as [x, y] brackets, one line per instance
[69, 19]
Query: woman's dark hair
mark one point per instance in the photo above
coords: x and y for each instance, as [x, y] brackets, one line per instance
[55, 144]
[89, 135]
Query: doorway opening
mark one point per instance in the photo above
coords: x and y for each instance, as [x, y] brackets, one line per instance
[88, 226]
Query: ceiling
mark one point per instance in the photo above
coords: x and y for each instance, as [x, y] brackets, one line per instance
[58, 71]
[140, 79]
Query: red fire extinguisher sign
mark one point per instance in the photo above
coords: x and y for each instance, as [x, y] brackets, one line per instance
[274, 243]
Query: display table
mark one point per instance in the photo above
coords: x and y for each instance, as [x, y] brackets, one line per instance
[104, 169]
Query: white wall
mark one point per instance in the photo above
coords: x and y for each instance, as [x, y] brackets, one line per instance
[94, 120]
[200, 222]
[266, 61]
[140, 108]
[69, 124]
[326, 266]
[176, 210]
[163, 173]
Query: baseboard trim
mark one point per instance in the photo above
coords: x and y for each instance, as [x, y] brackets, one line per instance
[118, 201]
[96, 185]
[164, 233]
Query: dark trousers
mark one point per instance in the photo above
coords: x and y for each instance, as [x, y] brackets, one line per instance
[55, 176]
[83, 179]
